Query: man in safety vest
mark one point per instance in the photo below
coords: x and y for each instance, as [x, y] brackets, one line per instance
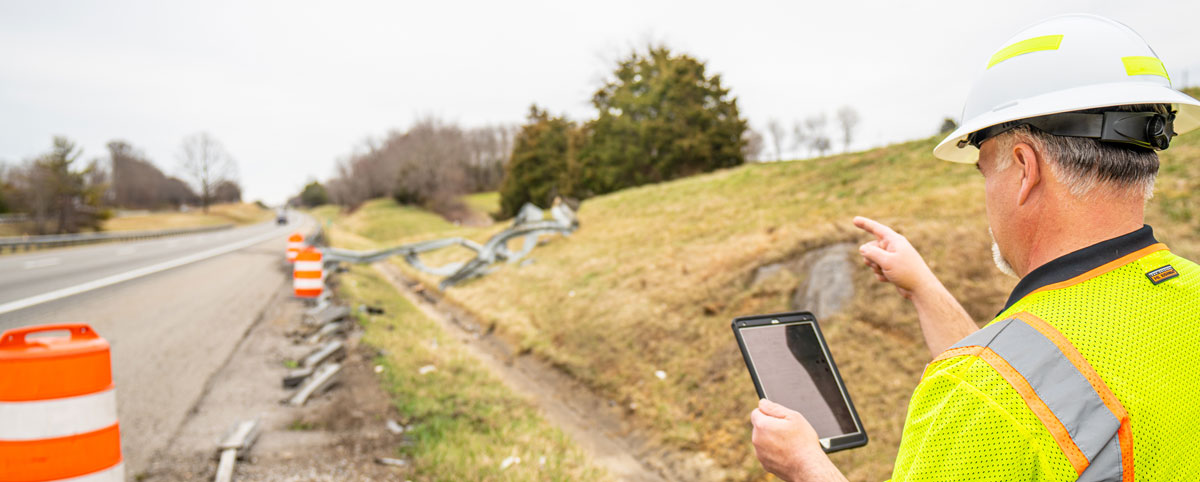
[1091, 371]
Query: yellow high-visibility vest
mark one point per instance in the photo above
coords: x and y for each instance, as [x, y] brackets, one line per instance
[1091, 372]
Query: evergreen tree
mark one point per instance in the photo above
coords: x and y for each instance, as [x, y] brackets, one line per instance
[660, 117]
[542, 164]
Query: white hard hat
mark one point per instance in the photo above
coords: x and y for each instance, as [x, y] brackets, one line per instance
[1063, 64]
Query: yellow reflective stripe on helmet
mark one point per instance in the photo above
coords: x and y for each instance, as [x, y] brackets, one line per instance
[1145, 66]
[1036, 44]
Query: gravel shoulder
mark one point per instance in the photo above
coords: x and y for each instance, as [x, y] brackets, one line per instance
[335, 437]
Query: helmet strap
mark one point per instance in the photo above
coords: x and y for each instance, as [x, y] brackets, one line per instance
[1147, 130]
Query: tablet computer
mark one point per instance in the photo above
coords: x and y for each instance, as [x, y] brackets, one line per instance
[791, 365]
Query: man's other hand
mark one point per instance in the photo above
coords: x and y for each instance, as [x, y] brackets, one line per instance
[787, 445]
[893, 258]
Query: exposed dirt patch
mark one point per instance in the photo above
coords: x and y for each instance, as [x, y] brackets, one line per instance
[599, 426]
[463, 215]
[335, 437]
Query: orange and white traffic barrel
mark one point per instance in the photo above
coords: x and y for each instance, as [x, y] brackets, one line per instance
[308, 274]
[58, 407]
[295, 244]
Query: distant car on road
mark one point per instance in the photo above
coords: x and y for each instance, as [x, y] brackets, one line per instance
[281, 217]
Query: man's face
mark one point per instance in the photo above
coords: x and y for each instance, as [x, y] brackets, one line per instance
[1000, 194]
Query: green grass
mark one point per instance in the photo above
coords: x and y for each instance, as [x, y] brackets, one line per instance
[655, 274]
[483, 202]
[466, 422]
[379, 223]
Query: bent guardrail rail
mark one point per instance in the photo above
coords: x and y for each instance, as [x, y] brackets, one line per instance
[54, 240]
[530, 224]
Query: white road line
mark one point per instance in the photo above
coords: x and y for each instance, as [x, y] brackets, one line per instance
[128, 275]
[40, 263]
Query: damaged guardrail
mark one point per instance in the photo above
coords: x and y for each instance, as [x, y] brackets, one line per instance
[530, 224]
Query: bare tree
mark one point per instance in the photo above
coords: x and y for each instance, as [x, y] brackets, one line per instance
[51, 190]
[847, 119]
[799, 136]
[818, 139]
[206, 163]
[777, 132]
[753, 145]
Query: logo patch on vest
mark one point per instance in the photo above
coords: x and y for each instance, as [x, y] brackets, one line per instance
[1162, 274]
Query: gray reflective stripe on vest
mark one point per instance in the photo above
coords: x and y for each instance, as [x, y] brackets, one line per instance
[1062, 388]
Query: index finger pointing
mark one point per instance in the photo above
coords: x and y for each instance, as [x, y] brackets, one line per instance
[874, 227]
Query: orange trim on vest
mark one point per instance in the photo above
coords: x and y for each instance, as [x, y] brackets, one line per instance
[1104, 268]
[60, 458]
[1124, 433]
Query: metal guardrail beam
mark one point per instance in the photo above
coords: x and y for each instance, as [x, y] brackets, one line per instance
[15, 243]
[529, 224]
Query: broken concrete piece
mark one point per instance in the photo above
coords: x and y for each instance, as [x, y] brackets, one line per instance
[295, 377]
[329, 313]
[242, 437]
[234, 446]
[323, 379]
[332, 350]
[391, 461]
[328, 330]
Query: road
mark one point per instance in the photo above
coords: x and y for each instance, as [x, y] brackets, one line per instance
[171, 318]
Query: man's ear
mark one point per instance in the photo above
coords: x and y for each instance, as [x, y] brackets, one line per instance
[1026, 159]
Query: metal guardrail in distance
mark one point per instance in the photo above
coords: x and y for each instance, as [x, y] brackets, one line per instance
[529, 224]
[15, 243]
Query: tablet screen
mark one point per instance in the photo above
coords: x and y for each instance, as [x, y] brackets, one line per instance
[793, 369]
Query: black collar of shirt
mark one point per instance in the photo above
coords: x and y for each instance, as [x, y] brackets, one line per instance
[1079, 262]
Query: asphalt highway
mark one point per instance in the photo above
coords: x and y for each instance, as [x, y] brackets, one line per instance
[172, 309]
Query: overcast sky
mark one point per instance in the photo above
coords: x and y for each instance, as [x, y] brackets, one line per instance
[289, 87]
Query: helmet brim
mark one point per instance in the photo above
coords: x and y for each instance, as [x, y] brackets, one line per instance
[1067, 100]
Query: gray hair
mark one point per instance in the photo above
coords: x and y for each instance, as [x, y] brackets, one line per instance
[1083, 163]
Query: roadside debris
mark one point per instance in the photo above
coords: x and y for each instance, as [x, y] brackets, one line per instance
[509, 462]
[323, 379]
[235, 445]
[394, 427]
[331, 350]
[391, 461]
[328, 330]
[295, 377]
[426, 369]
[326, 315]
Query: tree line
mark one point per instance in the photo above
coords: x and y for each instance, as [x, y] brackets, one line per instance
[816, 133]
[432, 163]
[57, 193]
[660, 115]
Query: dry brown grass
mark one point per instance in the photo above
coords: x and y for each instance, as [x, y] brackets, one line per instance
[232, 213]
[656, 273]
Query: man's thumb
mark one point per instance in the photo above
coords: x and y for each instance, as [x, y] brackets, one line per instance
[774, 409]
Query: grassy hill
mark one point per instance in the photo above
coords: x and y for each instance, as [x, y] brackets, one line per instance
[654, 276]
